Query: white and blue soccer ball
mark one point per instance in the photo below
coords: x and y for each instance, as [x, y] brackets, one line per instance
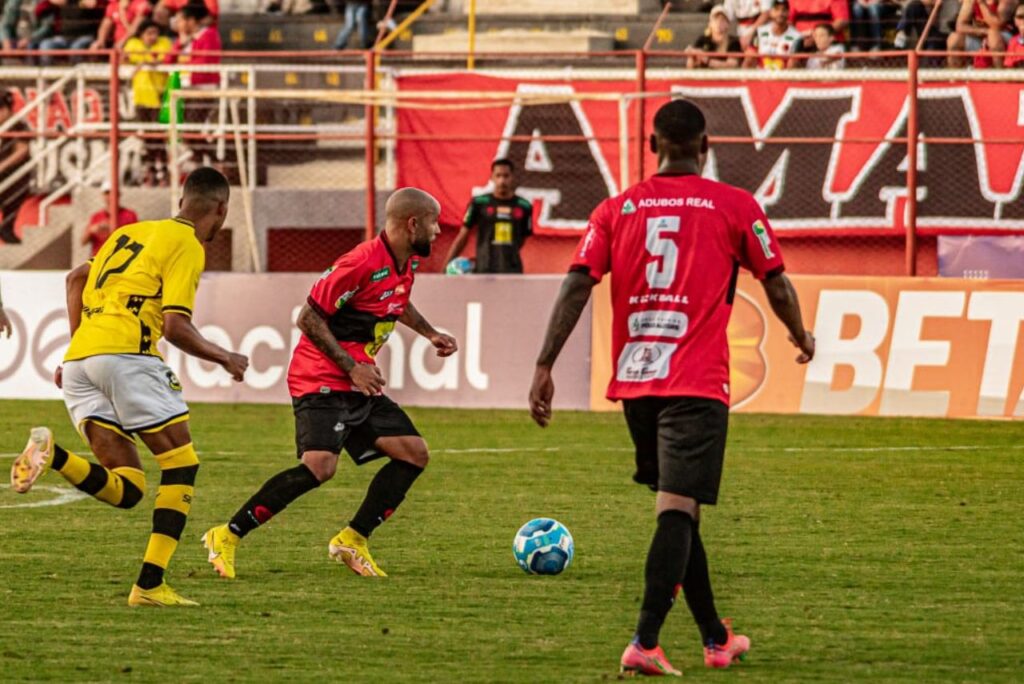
[543, 547]
[459, 266]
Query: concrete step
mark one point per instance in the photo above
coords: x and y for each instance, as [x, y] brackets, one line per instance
[317, 31]
[517, 41]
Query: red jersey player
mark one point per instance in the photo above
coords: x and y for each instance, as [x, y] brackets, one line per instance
[673, 245]
[337, 388]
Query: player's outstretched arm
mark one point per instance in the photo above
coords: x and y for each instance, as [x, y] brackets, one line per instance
[572, 299]
[786, 305]
[180, 331]
[412, 318]
[74, 286]
[365, 377]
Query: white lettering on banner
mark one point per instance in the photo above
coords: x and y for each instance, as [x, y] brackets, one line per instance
[645, 361]
[907, 351]
[395, 378]
[658, 324]
[261, 335]
[477, 378]
[1006, 311]
[445, 378]
[859, 353]
[207, 375]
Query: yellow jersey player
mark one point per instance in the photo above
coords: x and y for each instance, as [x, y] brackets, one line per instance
[139, 287]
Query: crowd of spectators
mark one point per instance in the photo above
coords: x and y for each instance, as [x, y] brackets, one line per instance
[818, 34]
[749, 33]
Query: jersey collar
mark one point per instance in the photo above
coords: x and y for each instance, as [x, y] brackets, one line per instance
[391, 253]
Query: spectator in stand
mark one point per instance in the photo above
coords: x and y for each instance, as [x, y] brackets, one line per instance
[982, 27]
[9, 24]
[775, 41]
[806, 14]
[99, 228]
[357, 14]
[148, 85]
[80, 24]
[122, 20]
[13, 153]
[148, 47]
[866, 27]
[716, 39]
[913, 19]
[828, 53]
[747, 16]
[197, 43]
[169, 8]
[46, 16]
[1015, 58]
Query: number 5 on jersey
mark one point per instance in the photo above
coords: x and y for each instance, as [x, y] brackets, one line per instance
[662, 271]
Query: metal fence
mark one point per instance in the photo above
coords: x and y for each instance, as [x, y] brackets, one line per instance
[859, 169]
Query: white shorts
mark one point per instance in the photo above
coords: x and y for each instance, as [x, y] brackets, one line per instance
[124, 392]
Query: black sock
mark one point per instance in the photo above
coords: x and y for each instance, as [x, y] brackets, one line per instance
[272, 498]
[666, 564]
[697, 590]
[59, 459]
[385, 492]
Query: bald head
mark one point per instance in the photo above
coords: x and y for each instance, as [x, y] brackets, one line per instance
[407, 203]
[412, 220]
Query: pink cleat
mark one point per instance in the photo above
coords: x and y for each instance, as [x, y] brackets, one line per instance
[733, 650]
[637, 660]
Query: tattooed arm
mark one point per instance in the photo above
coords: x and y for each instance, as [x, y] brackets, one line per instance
[571, 301]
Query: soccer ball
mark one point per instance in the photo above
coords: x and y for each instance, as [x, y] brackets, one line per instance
[459, 266]
[543, 547]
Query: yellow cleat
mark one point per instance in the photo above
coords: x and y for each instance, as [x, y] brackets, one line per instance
[158, 597]
[221, 542]
[33, 461]
[349, 547]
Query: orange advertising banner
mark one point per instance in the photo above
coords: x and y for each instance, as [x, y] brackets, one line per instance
[885, 346]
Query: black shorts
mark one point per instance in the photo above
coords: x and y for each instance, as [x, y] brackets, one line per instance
[328, 422]
[680, 444]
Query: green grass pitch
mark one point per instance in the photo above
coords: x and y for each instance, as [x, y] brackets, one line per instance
[848, 549]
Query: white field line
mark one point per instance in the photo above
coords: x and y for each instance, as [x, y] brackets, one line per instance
[64, 495]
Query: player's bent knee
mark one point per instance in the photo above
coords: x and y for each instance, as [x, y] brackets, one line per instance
[417, 455]
[323, 464]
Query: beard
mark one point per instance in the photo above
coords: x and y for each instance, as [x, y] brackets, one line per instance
[421, 247]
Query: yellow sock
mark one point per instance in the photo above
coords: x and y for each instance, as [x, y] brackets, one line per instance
[178, 469]
[121, 487]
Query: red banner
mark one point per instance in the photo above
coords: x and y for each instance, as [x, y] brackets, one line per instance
[826, 167]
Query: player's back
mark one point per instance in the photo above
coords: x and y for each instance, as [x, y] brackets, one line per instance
[143, 270]
[674, 245]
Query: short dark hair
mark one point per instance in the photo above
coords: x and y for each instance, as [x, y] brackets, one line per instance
[503, 162]
[680, 122]
[146, 25]
[7, 99]
[828, 27]
[195, 11]
[208, 183]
